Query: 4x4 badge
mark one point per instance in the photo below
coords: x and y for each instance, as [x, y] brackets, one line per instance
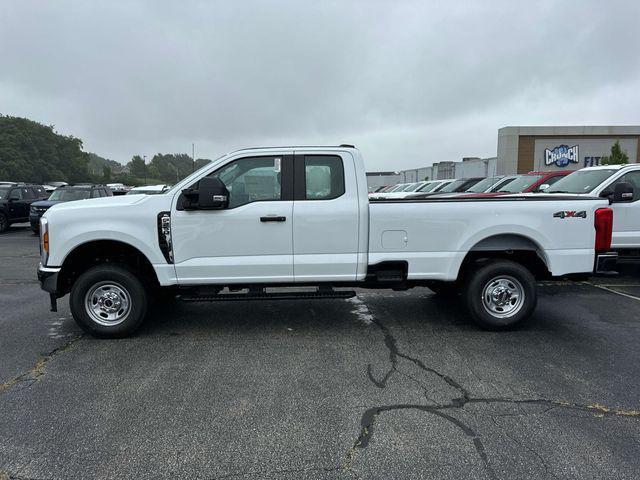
[569, 213]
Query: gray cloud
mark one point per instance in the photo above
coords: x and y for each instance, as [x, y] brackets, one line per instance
[408, 82]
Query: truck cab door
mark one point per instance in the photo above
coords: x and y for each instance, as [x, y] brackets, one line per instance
[326, 217]
[250, 241]
[626, 216]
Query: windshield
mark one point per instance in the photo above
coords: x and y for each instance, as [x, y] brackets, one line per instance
[521, 183]
[412, 188]
[582, 181]
[69, 195]
[398, 188]
[3, 191]
[427, 187]
[482, 185]
[453, 186]
[500, 183]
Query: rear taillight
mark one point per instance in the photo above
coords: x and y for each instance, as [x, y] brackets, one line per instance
[604, 229]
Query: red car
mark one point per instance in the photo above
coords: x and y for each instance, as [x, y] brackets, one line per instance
[526, 183]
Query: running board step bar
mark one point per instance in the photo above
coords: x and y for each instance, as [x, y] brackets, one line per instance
[262, 295]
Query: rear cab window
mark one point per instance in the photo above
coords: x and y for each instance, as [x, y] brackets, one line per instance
[323, 177]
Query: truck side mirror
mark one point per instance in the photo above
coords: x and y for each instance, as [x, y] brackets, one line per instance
[543, 187]
[622, 192]
[211, 194]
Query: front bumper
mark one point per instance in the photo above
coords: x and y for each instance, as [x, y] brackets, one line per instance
[48, 278]
[605, 263]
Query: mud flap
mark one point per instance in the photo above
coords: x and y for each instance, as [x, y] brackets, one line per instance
[54, 302]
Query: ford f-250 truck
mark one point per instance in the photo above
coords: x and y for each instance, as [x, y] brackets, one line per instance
[300, 217]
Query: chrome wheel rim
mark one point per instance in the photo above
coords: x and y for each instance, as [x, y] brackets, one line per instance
[107, 303]
[503, 296]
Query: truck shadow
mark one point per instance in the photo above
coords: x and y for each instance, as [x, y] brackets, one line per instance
[416, 310]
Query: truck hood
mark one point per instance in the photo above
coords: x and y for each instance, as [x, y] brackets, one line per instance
[101, 203]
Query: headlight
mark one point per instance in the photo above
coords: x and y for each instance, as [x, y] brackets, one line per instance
[44, 240]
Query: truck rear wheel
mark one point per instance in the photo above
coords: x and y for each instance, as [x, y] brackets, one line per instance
[108, 301]
[500, 294]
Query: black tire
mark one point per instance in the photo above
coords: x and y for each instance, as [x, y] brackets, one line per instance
[444, 289]
[503, 279]
[108, 283]
[4, 223]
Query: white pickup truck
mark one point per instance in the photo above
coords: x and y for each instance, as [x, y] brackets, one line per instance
[606, 181]
[299, 217]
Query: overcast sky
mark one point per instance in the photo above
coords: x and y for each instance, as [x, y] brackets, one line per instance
[409, 83]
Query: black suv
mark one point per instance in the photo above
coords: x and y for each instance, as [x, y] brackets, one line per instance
[67, 193]
[15, 201]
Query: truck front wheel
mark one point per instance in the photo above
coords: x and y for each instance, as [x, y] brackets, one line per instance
[108, 301]
[500, 294]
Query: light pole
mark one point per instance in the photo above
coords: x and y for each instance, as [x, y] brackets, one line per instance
[193, 157]
[144, 161]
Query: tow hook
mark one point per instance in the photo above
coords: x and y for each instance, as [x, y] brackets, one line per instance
[54, 302]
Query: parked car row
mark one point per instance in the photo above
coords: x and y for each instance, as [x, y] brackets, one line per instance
[20, 202]
[532, 182]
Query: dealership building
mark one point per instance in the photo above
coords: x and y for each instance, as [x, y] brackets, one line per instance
[526, 149]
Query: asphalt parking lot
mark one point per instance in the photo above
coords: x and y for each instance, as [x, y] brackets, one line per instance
[386, 385]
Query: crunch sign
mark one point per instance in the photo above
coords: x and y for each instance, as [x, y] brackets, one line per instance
[561, 155]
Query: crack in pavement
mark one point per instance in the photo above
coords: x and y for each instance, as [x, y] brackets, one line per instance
[38, 369]
[543, 462]
[442, 410]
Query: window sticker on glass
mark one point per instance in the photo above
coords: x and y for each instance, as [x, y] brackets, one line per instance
[276, 164]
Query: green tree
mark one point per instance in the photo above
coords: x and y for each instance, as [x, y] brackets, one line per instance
[32, 152]
[106, 174]
[137, 167]
[617, 157]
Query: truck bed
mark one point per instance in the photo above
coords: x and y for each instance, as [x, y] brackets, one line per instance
[433, 235]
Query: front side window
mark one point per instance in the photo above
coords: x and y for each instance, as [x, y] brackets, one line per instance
[95, 193]
[251, 179]
[324, 177]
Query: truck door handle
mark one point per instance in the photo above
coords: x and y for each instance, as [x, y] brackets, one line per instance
[273, 218]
